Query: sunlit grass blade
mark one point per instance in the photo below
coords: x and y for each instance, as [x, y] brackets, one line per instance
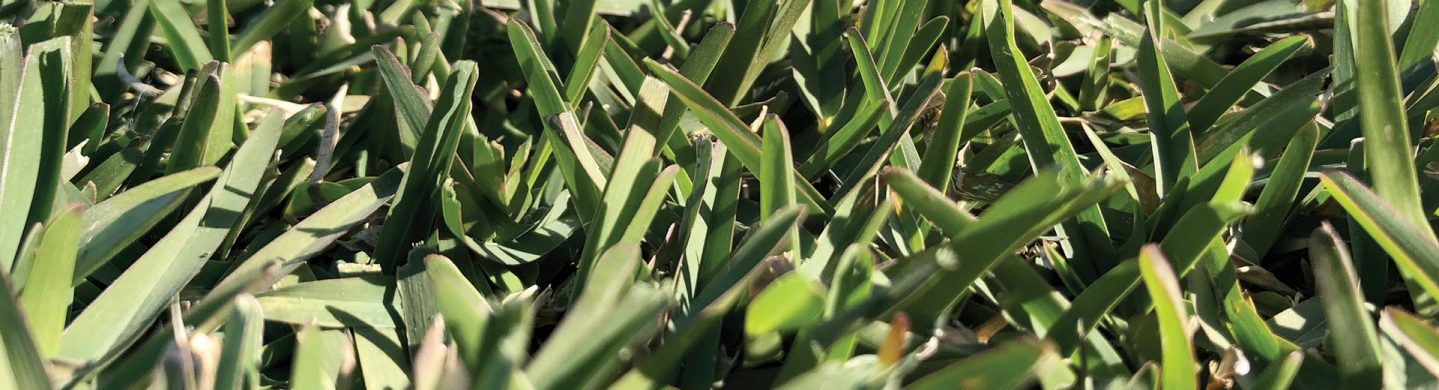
[1224, 95]
[1170, 134]
[1417, 336]
[22, 366]
[429, 168]
[146, 287]
[270, 22]
[357, 301]
[1010, 222]
[47, 294]
[1177, 370]
[1045, 139]
[1281, 374]
[1387, 143]
[33, 138]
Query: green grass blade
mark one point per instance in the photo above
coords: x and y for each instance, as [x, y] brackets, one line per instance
[1351, 335]
[1170, 134]
[1177, 370]
[789, 303]
[1272, 210]
[742, 143]
[270, 23]
[317, 359]
[429, 168]
[239, 364]
[1381, 114]
[195, 132]
[697, 67]
[358, 301]
[22, 365]
[1224, 95]
[180, 34]
[1280, 375]
[893, 136]
[587, 62]
[317, 232]
[1029, 210]
[1414, 251]
[1094, 93]
[47, 294]
[776, 168]
[1417, 336]
[587, 176]
[217, 16]
[33, 134]
[1007, 366]
[463, 308]
[937, 165]
[1046, 141]
[126, 308]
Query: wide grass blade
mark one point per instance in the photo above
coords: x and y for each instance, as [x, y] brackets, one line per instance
[1008, 366]
[1177, 369]
[22, 366]
[1414, 251]
[180, 33]
[1351, 334]
[126, 307]
[1387, 143]
[47, 294]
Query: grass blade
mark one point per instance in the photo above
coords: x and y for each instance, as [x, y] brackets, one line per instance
[146, 287]
[1381, 114]
[47, 294]
[1356, 348]
[1177, 368]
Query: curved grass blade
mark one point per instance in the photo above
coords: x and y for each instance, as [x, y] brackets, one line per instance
[1272, 210]
[1183, 248]
[1252, 71]
[1281, 374]
[180, 34]
[1415, 251]
[789, 303]
[1027, 211]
